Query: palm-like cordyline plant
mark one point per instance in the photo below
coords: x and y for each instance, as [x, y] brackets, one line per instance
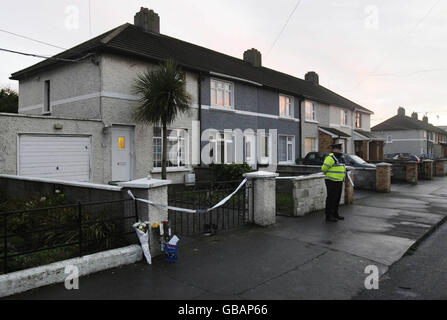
[162, 96]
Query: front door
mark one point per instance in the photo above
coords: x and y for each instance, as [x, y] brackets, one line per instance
[122, 145]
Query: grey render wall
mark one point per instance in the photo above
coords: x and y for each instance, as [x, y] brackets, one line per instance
[74, 91]
[330, 116]
[310, 128]
[406, 141]
[250, 98]
[104, 91]
[13, 125]
[118, 104]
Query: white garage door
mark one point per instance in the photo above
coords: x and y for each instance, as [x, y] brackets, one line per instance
[57, 157]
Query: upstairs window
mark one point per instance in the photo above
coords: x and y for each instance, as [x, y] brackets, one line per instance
[344, 118]
[358, 120]
[285, 106]
[311, 111]
[221, 93]
[46, 103]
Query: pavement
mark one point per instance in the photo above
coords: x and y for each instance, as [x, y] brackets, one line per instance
[298, 258]
[420, 275]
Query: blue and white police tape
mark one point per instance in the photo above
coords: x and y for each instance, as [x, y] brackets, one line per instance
[219, 204]
[314, 175]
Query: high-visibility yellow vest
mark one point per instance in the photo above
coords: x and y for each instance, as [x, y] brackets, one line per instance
[333, 169]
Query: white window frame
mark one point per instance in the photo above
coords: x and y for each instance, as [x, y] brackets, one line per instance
[177, 138]
[357, 113]
[264, 158]
[314, 145]
[313, 111]
[289, 107]
[389, 138]
[250, 144]
[216, 141]
[288, 142]
[344, 117]
[214, 87]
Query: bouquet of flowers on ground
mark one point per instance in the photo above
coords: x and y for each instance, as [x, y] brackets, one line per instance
[142, 229]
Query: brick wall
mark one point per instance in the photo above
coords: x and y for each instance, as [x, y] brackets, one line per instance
[324, 142]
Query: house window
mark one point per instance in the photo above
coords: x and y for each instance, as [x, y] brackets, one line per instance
[311, 111]
[344, 118]
[430, 135]
[46, 106]
[221, 93]
[358, 120]
[249, 151]
[389, 139]
[221, 147]
[310, 145]
[265, 145]
[285, 106]
[343, 144]
[176, 148]
[286, 145]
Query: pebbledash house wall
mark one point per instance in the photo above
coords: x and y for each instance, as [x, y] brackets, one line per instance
[103, 91]
[263, 105]
[405, 141]
[118, 104]
[12, 125]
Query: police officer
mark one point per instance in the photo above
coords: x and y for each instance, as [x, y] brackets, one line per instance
[335, 172]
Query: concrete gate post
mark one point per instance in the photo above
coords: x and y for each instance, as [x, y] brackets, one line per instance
[383, 177]
[155, 190]
[264, 194]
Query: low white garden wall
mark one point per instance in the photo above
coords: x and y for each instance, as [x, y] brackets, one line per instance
[21, 281]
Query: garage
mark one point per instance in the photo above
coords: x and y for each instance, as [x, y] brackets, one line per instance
[55, 156]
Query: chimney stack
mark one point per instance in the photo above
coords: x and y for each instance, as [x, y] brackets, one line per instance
[425, 119]
[148, 20]
[414, 115]
[401, 111]
[313, 77]
[254, 57]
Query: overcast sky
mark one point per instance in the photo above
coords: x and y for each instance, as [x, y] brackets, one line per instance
[380, 54]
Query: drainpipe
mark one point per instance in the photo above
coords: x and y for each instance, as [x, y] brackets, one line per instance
[200, 115]
[301, 127]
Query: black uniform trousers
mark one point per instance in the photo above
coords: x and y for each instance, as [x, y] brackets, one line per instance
[334, 191]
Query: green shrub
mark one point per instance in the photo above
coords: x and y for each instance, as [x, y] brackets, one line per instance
[230, 172]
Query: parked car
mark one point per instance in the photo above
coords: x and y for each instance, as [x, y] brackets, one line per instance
[401, 156]
[317, 159]
[428, 156]
[357, 162]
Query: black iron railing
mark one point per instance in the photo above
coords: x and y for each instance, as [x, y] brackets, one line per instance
[204, 195]
[34, 237]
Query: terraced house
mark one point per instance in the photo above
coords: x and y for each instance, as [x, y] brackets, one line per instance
[404, 134]
[82, 100]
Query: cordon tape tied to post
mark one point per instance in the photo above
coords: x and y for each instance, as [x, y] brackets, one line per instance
[219, 204]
